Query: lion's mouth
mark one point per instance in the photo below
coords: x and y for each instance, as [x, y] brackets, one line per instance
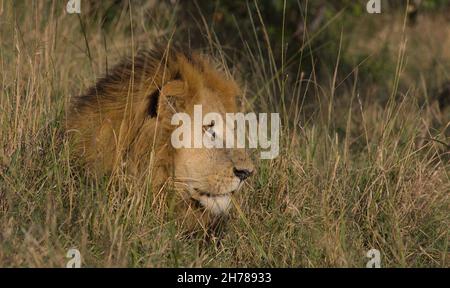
[207, 194]
[217, 204]
[196, 203]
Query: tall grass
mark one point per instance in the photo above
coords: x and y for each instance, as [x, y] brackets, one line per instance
[354, 172]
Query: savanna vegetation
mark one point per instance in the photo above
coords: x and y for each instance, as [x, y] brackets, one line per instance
[364, 163]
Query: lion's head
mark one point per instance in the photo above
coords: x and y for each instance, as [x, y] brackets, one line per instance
[125, 121]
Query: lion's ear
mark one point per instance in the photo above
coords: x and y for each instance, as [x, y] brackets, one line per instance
[165, 99]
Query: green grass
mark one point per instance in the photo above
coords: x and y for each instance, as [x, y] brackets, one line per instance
[362, 164]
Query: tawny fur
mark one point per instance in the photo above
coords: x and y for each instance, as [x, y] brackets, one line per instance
[124, 120]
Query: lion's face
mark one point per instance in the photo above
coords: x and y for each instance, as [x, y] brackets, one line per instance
[210, 176]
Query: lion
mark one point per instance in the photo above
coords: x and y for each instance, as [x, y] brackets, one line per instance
[124, 120]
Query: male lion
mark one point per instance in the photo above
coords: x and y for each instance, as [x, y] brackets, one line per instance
[125, 121]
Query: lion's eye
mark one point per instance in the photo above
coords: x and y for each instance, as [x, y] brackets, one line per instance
[211, 132]
[209, 129]
[209, 126]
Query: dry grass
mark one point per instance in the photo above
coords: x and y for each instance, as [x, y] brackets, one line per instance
[354, 173]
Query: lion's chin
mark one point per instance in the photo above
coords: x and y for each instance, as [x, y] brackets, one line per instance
[216, 205]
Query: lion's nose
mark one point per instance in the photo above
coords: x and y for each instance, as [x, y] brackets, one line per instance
[242, 173]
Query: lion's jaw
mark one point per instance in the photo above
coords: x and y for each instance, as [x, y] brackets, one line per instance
[216, 205]
[207, 176]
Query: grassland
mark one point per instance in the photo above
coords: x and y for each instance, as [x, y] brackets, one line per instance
[364, 161]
